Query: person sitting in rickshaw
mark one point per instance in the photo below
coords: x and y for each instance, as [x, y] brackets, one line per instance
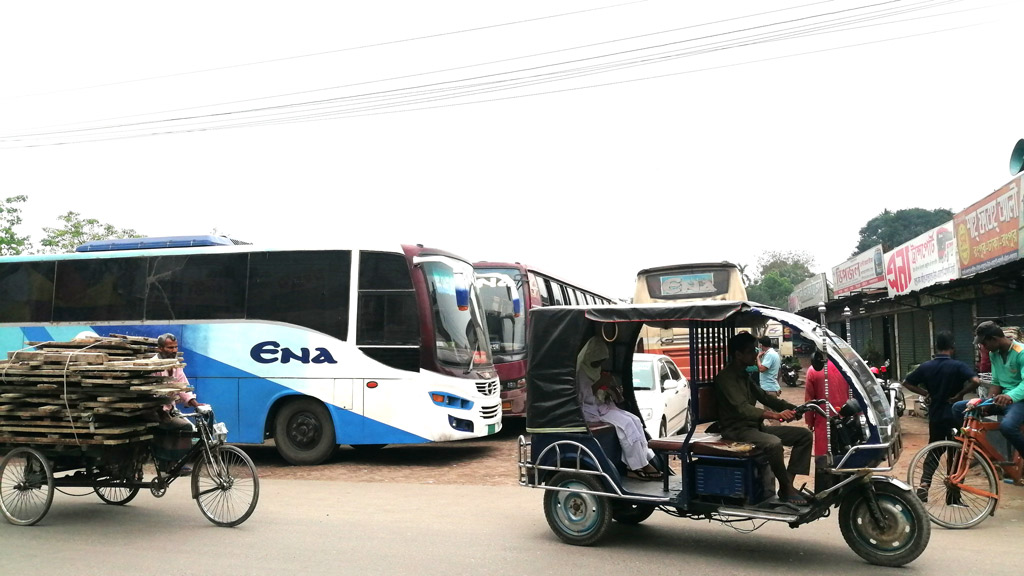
[598, 396]
[741, 420]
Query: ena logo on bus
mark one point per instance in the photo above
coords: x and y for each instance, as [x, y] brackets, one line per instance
[269, 352]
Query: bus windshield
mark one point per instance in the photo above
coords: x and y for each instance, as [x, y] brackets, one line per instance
[458, 330]
[506, 328]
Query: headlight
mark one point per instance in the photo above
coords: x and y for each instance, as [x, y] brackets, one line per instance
[220, 430]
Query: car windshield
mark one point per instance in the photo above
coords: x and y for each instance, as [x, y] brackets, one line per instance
[642, 377]
[459, 334]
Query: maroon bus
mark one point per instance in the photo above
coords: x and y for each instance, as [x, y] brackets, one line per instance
[506, 319]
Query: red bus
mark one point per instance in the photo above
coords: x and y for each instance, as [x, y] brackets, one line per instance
[507, 329]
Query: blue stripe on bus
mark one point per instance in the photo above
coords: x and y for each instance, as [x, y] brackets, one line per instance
[243, 414]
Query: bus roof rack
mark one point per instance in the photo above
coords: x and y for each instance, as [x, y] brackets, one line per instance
[152, 243]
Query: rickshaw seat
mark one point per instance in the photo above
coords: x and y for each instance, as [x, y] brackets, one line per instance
[704, 444]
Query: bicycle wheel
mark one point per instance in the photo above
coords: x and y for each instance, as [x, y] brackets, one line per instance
[226, 488]
[117, 495]
[26, 486]
[947, 505]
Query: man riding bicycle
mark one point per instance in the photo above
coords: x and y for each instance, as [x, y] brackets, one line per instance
[1007, 388]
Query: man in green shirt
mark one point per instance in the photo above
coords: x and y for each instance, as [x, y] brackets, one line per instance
[1007, 389]
[741, 420]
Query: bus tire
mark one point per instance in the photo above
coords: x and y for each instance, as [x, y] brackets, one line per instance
[304, 432]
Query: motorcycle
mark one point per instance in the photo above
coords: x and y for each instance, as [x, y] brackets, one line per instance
[789, 373]
[893, 389]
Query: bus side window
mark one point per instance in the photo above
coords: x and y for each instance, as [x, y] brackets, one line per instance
[208, 286]
[97, 290]
[387, 301]
[542, 288]
[555, 289]
[308, 288]
[28, 291]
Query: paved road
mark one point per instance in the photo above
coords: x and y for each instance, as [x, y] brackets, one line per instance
[330, 527]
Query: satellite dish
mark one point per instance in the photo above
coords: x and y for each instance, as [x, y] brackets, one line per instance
[1017, 158]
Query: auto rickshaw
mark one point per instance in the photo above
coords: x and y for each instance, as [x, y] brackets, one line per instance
[579, 466]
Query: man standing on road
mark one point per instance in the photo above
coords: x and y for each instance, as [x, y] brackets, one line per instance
[1007, 388]
[768, 363]
[942, 380]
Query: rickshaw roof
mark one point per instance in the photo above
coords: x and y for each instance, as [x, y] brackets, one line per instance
[558, 333]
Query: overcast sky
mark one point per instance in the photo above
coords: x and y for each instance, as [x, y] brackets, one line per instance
[591, 138]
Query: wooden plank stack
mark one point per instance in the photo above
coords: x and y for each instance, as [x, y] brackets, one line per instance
[94, 391]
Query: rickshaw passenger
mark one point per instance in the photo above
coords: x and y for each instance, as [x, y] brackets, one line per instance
[598, 396]
[741, 420]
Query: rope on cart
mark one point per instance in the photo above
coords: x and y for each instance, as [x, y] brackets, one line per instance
[71, 418]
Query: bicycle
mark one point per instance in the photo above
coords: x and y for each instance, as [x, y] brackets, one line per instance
[225, 484]
[965, 473]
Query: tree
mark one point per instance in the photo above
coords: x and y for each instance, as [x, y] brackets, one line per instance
[77, 231]
[10, 216]
[890, 229]
[778, 273]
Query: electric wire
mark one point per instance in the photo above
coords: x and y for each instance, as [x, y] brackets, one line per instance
[250, 111]
[373, 103]
[477, 65]
[518, 82]
[326, 52]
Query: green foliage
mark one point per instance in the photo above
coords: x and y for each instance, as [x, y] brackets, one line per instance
[778, 273]
[890, 229]
[77, 231]
[10, 216]
[773, 290]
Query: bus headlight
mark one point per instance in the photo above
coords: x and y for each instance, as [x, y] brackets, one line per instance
[450, 401]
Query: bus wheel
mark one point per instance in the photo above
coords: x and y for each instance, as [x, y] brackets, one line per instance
[304, 432]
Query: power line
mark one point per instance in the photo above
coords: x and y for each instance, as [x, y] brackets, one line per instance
[364, 104]
[326, 52]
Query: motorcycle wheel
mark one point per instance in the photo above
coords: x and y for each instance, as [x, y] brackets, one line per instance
[903, 539]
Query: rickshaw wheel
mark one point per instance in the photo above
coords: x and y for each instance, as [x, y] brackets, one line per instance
[26, 486]
[117, 495]
[629, 513]
[906, 535]
[226, 487]
[576, 517]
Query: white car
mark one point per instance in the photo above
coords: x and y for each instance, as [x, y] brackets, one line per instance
[662, 394]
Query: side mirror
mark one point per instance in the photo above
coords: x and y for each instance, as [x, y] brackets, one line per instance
[669, 385]
[850, 408]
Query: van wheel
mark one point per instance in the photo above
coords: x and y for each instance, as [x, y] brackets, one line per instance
[574, 516]
[304, 432]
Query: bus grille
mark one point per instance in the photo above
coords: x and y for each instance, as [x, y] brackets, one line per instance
[487, 388]
[490, 411]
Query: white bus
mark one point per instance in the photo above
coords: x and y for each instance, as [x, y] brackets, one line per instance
[313, 348]
[683, 283]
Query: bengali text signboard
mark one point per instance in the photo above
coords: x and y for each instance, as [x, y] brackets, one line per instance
[809, 293]
[928, 259]
[865, 271]
[987, 232]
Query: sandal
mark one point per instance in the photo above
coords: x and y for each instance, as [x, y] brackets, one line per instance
[644, 475]
[794, 497]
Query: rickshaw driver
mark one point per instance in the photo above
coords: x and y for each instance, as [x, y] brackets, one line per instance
[741, 420]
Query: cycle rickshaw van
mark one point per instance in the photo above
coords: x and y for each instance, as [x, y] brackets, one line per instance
[579, 465]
